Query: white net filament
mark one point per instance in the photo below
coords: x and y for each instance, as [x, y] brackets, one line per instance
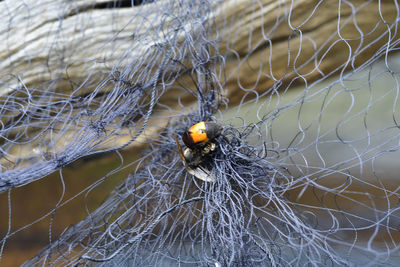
[306, 168]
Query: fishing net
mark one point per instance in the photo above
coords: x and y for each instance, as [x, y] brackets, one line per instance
[305, 169]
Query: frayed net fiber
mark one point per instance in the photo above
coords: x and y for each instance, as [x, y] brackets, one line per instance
[305, 168]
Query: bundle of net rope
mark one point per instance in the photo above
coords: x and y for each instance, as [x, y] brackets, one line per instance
[81, 78]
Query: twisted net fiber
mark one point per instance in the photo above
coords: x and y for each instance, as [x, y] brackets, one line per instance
[323, 125]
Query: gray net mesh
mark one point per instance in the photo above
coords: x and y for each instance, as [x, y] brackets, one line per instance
[307, 93]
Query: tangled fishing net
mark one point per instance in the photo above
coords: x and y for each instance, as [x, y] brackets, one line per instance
[305, 168]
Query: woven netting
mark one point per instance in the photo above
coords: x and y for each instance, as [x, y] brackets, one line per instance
[307, 92]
